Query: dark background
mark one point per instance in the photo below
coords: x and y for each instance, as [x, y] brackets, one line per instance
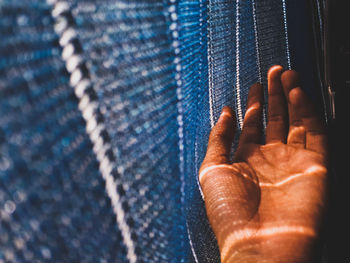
[338, 226]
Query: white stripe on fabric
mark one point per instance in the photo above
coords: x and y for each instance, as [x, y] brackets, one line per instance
[211, 89]
[196, 158]
[210, 114]
[210, 70]
[256, 42]
[87, 107]
[191, 244]
[175, 35]
[258, 62]
[196, 169]
[238, 88]
[211, 99]
[286, 32]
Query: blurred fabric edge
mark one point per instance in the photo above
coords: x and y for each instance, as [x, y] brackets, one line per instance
[105, 111]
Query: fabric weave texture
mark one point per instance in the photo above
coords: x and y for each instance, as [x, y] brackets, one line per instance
[105, 111]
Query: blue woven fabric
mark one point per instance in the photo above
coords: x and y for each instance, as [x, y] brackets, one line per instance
[52, 197]
[105, 111]
[130, 58]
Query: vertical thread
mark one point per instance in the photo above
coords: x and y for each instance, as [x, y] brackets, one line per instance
[238, 88]
[257, 48]
[175, 43]
[191, 244]
[210, 71]
[88, 105]
[286, 32]
[256, 42]
[211, 112]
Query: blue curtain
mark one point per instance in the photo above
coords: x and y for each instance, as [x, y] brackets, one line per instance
[105, 111]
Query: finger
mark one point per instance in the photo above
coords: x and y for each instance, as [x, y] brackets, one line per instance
[276, 130]
[297, 133]
[220, 139]
[252, 124]
[315, 131]
[290, 80]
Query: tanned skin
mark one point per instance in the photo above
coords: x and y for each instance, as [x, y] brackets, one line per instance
[267, 205]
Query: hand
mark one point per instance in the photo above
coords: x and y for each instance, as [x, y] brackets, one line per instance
[267, 206]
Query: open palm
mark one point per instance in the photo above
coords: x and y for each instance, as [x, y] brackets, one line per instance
[267, 205]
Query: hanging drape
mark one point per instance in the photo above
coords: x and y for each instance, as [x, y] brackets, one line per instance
[105, 111]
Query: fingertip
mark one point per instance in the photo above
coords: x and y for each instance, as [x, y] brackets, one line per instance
[275, 68]
[255, 95]
[227, 114]
[226, 124]
[290, 78]
[220, 139]
[274, 71]
[302, 105]
[274, 85]
[227, 111]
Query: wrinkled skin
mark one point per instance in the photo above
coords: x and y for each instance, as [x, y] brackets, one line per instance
[268, 204]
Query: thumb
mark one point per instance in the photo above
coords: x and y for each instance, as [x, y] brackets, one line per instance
[230, 198]
[220, 140]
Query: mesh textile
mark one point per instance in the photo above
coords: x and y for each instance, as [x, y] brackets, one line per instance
[105, 111]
